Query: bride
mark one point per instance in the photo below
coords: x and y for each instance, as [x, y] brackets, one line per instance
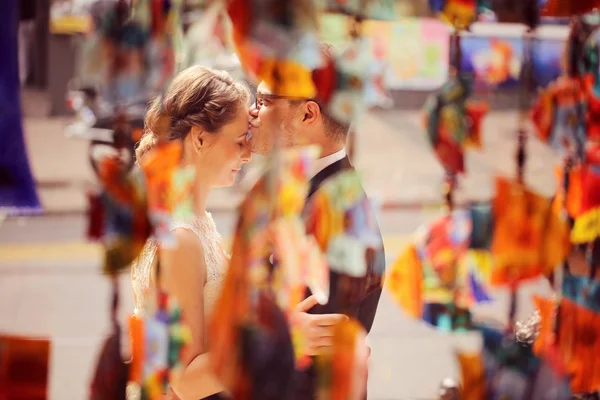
[207, 110]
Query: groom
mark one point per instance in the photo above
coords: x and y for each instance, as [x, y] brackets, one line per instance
[304, 122]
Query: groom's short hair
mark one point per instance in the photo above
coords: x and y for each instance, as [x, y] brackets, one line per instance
[334, 129]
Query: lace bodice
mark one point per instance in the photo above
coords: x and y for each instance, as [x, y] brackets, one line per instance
[214, 256]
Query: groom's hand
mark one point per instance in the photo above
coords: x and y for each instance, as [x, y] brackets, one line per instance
[316, 329]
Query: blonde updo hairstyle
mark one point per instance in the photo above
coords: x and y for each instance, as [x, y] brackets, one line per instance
[198, 96]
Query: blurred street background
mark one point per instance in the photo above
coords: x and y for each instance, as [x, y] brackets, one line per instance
[50, 281]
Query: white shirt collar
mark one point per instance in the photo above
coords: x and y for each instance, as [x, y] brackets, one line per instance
[326, 161]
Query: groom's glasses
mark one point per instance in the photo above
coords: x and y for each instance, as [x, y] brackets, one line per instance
[261, 97]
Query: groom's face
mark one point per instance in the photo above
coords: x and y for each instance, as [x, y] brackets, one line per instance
[272, 115]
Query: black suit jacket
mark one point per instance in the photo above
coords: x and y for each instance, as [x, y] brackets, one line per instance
[366, 291]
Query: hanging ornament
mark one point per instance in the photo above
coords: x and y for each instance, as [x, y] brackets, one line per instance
[283, 34]
[126, 225]
[247, 315]
[343, 222]
[159, 339]
[449, 125]
[458, 13]
[170, 188]
[437, 279]
[559, 117]
[587, 223]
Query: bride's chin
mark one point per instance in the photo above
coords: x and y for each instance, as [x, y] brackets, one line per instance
[226, 183]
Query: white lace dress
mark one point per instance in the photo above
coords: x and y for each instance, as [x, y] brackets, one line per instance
[214, 256]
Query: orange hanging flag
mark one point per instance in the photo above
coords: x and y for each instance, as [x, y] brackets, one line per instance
[579, 342]
[520, 220]
[574, 195]
[136, 334]
[405, 282]
[476, 110]
[546, 333]
[473, 377]
[346, 365]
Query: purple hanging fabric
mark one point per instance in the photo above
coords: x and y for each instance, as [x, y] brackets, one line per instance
[17, 188]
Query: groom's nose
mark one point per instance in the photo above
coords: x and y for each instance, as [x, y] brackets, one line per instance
[253, 111]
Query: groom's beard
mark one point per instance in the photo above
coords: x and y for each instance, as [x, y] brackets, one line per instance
[263, 142]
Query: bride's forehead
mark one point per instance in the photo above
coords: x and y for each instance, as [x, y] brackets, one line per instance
[238, 126]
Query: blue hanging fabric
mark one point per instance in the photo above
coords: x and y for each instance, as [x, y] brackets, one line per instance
[17, 188]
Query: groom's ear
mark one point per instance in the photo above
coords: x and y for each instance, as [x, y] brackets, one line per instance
[197, 136]
[311, 112]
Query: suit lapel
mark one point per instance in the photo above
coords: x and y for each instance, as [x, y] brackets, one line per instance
[326, 173]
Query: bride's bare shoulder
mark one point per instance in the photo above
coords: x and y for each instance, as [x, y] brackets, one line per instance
[184, 260]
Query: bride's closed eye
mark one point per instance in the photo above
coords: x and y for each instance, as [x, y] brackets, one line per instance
[246, 136]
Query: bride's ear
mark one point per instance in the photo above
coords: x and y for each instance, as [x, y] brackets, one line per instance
[197, 136]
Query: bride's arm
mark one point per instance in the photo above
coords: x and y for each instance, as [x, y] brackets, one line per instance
[183, 274]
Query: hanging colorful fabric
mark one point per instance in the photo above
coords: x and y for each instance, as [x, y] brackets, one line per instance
[347, 103]
[526, 234]
[473, 377]
[345, 368]
[159, 338]
[574, 196]
[127, 226]
[404, 282]
[559, 117]
[248, 278]
[440, 251]
[292, 247]
[458, 13]
[476, 110]
[437, 279]
[445, 119]
[281, 43]
[579, 343]
[476, 270]
[342, 221]
[587, 223]
[170, 188]
[288, 78]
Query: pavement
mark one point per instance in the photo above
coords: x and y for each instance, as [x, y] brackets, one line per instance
[50, 283]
